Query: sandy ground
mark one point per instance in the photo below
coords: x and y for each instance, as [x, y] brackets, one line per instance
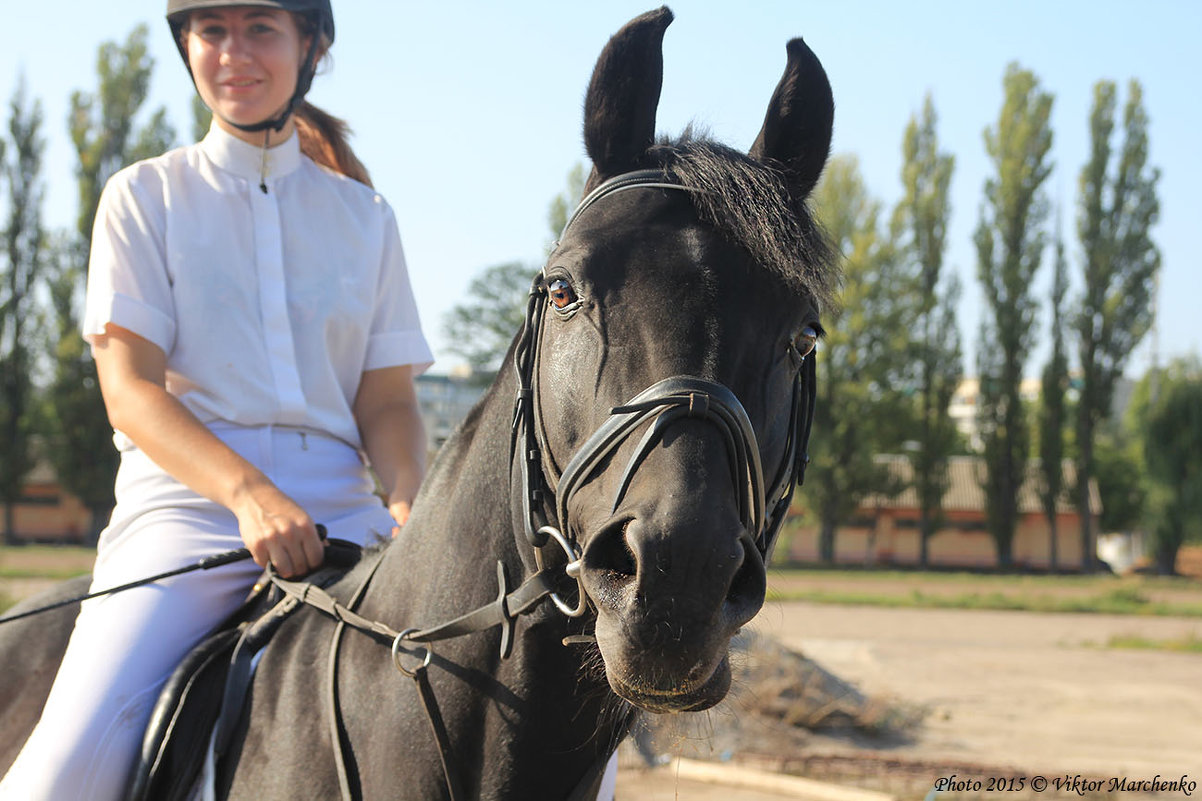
[1036, 692]
[1013, 693]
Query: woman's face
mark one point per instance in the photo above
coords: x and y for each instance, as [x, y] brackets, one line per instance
[245, 61]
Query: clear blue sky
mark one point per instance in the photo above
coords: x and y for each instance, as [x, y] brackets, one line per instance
[468, 114]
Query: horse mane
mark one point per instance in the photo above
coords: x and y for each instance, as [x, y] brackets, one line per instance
[750, 203]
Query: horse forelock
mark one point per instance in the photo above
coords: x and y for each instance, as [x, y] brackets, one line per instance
[750, 204]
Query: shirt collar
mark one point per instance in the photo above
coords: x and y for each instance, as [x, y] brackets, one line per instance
[246, 160]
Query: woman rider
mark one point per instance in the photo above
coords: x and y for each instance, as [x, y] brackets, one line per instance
[256, 340]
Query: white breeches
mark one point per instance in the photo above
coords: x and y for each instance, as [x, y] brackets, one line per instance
[125, 646]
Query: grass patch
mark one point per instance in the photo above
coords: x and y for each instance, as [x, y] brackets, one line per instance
[52, 562]
[1125, 600]
[1190, 644]
[52, 573]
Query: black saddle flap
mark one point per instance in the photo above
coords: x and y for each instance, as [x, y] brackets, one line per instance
[186, 711]
[193, 699]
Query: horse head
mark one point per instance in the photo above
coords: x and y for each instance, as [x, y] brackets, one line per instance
[665, 361]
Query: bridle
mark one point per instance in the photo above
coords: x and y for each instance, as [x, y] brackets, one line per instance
[761, 511]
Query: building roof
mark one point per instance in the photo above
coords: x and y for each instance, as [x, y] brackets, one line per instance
[964, 492]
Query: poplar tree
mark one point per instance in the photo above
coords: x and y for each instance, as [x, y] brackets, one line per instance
[107, 137]
[1010, 240]
[1052, 408]
[920, 224]
[1117, 208]
[860, 360]
[24, 242]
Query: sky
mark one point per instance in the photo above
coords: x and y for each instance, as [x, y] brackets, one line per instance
[468, 114]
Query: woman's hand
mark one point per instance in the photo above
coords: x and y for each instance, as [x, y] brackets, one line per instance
[400, 513]
[132, 373]
[277, 530]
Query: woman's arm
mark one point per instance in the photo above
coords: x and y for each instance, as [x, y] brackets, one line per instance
[390, 425]
[132, 373]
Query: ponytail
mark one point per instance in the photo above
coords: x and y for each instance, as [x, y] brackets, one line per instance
[324, 138]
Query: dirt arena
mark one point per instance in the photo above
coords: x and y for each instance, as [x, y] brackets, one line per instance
[1015, 694]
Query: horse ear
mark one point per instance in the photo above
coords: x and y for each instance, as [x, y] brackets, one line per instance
[619, 109]
[797, 129]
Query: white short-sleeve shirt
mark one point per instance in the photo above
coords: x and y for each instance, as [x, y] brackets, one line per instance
[268, 305]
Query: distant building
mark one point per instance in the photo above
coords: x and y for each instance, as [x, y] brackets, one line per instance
[445, 401]
[48, 513]
[884, 530]
[965, 406]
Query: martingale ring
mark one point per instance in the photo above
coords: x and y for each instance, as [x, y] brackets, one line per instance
[573, 569]
[396, 655]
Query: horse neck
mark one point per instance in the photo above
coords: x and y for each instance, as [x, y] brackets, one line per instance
[444, 564]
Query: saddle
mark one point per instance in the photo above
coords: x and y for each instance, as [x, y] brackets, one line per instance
[200, 706]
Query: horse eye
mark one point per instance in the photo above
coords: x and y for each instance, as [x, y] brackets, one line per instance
[561, 293]
[806, 340]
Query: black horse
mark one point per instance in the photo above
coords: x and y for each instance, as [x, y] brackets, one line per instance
[663, 396]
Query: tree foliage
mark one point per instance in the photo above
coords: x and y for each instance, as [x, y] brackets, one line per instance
[861, 363]
[920, 224]
[1010, 240]
[562, 204]
[107, 137]
[1117, 207]
[1170, 411]
[24, 244]
[1052, 414]
[482, 326]
[202, 118]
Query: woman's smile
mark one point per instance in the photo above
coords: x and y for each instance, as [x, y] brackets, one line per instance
[245, 61]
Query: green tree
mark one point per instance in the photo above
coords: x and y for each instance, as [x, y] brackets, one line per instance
[1172, 427]
[920, 226]
[1010, 240]
[1052, 408]
[107, 137]
[1121, 477]
[202, 118]
[481, 327]
[1118, 206]
[860, 361]
[25, 242]
[563, 203]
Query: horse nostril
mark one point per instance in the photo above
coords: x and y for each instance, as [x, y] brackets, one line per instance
[611, 555]
[749, 584]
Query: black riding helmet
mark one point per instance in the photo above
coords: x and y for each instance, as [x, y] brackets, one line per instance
[317, 12]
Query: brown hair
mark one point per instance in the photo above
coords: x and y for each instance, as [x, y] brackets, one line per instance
[325, 139]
